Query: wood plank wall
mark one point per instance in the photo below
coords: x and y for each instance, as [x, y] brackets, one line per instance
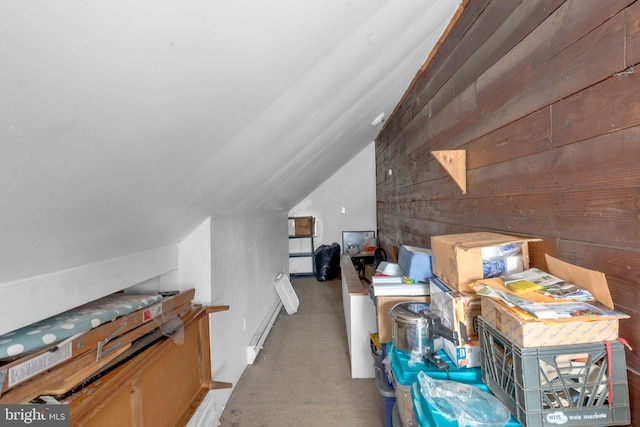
[544, 96]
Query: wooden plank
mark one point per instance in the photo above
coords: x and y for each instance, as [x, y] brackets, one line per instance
[350, 276]
[603, 170]
[163, 374]
[609, 106]
[513, 28]
[505, 89]
[632, 15]
[548, 72]
[409, 106]
[528, 135]
[449, 57]
[137, 402]
[76, 377]
[500, 27]
[593, 216]
[455, 119]
[621, 265]
[572, 28]
[602, 163]
[170, 378]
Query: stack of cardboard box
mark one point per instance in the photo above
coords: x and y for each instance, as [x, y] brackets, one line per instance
[567, 368]
[458, 263]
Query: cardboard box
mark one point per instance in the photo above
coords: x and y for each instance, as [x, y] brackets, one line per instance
[458, 258]
[458, 311]
[464, 356]
[536, 333]
[302, 226]
[369, 271]
[383, 306]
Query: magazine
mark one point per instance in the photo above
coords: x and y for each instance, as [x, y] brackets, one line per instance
[550, 285]
[550, 310]
[569, 309]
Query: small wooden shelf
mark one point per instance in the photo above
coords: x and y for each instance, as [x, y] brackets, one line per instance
[455, 163]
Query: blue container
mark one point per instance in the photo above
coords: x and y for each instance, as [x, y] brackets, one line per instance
[404, 376]
[428, 416]
[416, 263]
[407, 375]
[386, 393]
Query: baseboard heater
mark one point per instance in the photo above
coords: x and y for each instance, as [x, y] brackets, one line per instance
[258, 339]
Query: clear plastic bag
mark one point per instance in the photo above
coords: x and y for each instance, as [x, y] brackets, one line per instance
[495, 259]
[464, 403]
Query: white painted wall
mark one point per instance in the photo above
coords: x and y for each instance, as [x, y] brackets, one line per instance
[35, 298]
[354, 188]
[194, 259]
[248, 252]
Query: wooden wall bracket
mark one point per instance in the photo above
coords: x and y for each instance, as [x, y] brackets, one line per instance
[455, 163]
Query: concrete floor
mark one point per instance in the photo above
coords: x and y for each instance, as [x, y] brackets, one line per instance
[302, 376]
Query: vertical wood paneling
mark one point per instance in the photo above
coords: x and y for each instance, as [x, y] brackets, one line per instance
[540, 95]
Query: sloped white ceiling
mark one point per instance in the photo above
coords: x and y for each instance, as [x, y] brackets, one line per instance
[124, 124]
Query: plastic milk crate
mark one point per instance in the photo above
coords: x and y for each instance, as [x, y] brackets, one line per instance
[570, 385]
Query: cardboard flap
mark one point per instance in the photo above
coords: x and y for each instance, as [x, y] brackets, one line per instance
[591, 280]
[490, 239]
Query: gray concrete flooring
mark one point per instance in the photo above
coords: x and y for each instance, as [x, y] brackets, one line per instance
[302, 375]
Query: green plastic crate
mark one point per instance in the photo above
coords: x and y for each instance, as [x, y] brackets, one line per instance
[570, 385]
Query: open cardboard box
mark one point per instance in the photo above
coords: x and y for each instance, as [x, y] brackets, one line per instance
[528, 332]
[457, 258]
[458, 311]
[464, 356]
